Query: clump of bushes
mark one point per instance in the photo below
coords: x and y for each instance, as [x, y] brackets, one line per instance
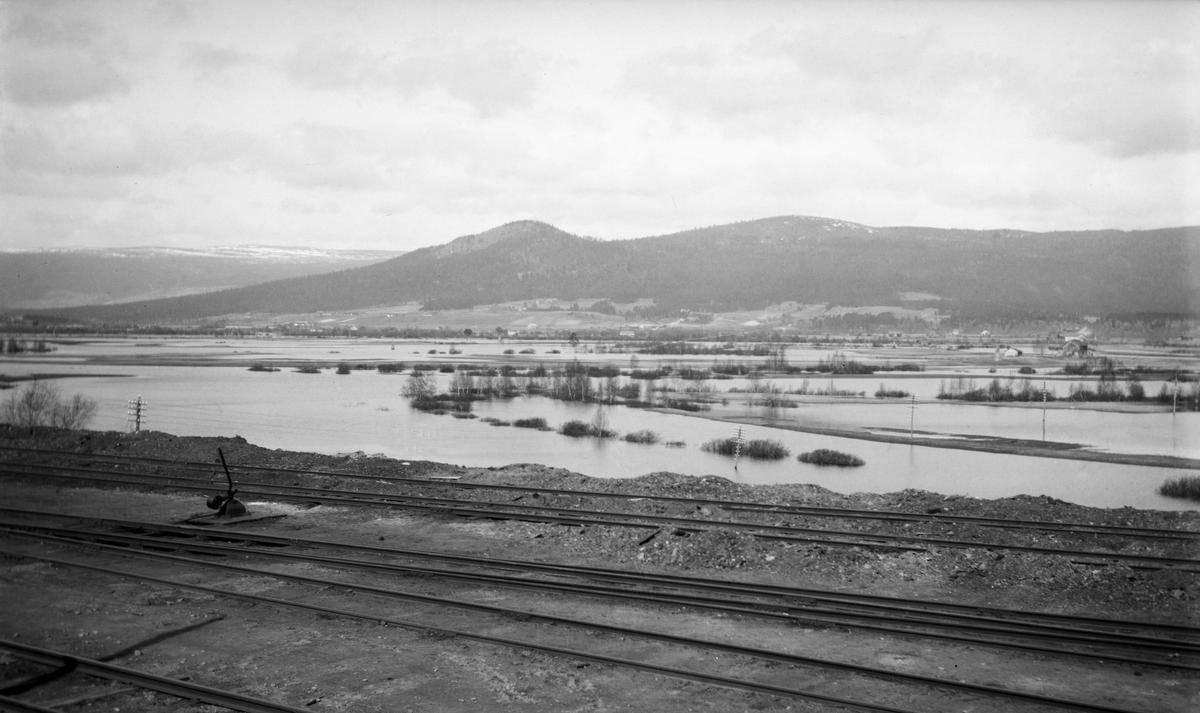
[537, 422]
[509, 351]
[391, 367]
[826, 456]
[758, 449]
[581, 429]
[460, 414]
[495, 421]
[644, 436]
[1186, 487]
[446, 368]
[528, 351]
[343, 368]
[683, 405]
[1027, 370]
[259, 366]
[675, 444]
[308, 369]
[575, 429]
[41, 404]
[886, 393]
[905, 366]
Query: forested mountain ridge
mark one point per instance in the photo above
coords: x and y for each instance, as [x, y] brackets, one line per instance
[749, 265]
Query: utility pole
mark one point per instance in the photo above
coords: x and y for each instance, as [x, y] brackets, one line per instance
[136, 414]
[1043, 410]
[912, 415]
[739, 437]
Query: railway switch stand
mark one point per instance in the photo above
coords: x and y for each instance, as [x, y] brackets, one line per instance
[225, 504]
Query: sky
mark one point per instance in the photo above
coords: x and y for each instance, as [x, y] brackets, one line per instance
[396, 125]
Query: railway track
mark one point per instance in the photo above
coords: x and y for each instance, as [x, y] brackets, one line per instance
[1096, 639]
[579, 516]
[730, 505]
[69, 543]
[63, 664]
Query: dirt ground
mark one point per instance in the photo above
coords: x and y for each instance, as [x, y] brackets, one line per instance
[320, 662]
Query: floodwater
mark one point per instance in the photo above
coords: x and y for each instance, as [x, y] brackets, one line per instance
[363, 411]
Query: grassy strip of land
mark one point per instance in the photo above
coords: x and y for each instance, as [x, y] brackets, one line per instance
[984, 444]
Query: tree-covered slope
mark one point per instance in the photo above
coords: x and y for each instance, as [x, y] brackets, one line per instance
[746, 265]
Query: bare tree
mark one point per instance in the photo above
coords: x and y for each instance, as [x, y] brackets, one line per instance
[420, 387]
[601, 425]
[41, 404]
[73, 414]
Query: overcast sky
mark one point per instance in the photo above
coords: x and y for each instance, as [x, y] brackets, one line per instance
[395, 125]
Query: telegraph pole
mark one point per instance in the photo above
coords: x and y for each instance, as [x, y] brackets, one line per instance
[1043, 410]
[739, 437]
[136, 414]
[912, 415]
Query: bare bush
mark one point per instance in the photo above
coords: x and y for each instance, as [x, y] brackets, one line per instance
[42, 404]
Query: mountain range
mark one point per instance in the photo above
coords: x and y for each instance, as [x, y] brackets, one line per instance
[68, 277]
[747, 265]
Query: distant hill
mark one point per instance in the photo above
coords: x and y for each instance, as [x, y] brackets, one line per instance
[748, 265]
[63, 278]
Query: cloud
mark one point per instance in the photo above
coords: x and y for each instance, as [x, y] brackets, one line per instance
[52, 57]
[491, 76]
[335, 62]
[1130, 101]
[209, 61]
[60, 75]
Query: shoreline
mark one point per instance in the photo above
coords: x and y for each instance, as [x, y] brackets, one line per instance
[984, 444]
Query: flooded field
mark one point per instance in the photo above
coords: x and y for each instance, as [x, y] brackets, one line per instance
[364, 411]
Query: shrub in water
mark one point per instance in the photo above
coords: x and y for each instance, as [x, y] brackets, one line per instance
[537, 422]
[886, 393]
[758, 449]
[825, 456]
[644, 436]
[343, 368]
[259, 366]
[683, 405]
[1187, 487]
[576, 429]
[308, 370]
[495, 421]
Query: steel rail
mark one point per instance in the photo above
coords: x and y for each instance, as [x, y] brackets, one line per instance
[599, 517]
[753, 652]
[674, 672]
[9, 704]
[663, 599]
[812, 510]
[913, 607]
[141, 679]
